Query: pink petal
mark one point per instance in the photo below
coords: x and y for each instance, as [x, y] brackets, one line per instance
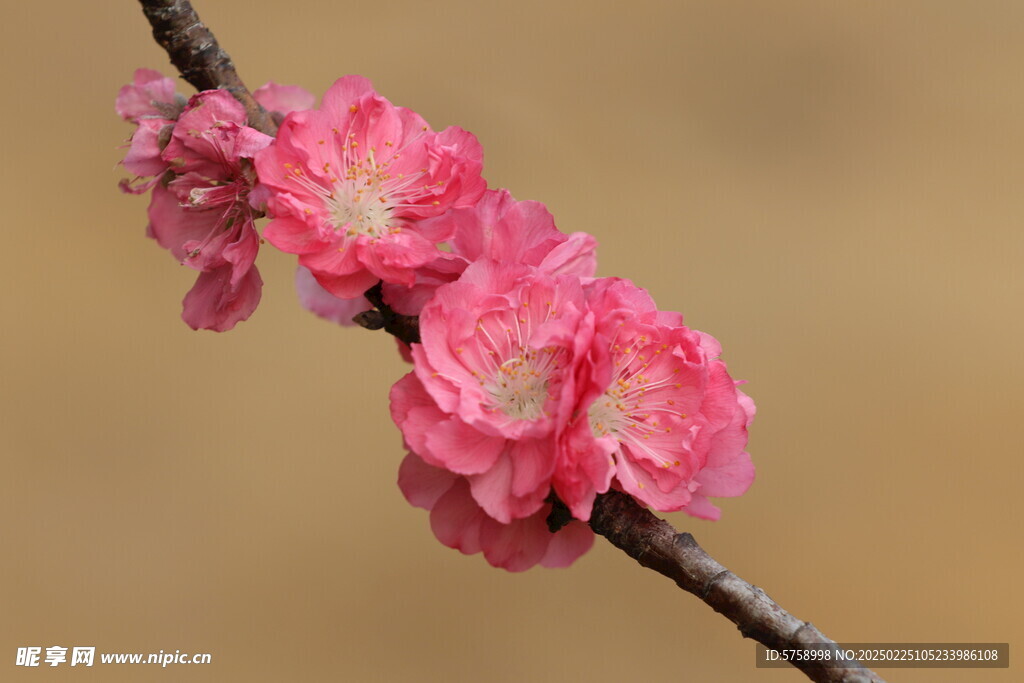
[135, 100]
[393, 258]
[533, 462]
[575, 256]
[143, 158]
[637, 482]
[516, 546]
[172, 226]
[456, 519]
[702, 508]
[493, 491]
[344, 93]
[293, 236]
[568, 544]
[421, 484]
[345, 286]
[462, 449]
[212, 304]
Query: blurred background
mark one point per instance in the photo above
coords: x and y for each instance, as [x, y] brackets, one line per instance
[831, 189]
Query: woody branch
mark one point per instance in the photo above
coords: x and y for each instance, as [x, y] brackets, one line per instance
[651, 541]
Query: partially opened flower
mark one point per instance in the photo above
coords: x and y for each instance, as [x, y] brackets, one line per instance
[203, 215]
[351, 181]
[658, 414]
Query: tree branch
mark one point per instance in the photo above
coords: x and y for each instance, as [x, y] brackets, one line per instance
[656, 545]
[633, 529]
[199, 58]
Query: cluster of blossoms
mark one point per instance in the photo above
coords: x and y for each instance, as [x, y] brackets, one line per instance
[533, 379]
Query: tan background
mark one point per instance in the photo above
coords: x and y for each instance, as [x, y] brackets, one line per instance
[831, 188]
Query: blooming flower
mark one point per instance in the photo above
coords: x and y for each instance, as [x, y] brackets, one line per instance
[281, 100]
[203, 215]
[491, 381]
[658, 413]
[498, 228]
[351, 181]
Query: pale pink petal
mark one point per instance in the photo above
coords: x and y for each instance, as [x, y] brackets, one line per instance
[319, 301]
[283, 99]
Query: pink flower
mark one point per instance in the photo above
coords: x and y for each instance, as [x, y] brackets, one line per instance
[351, 182]
[203, 215]
[151, 103]
[492, 381]
[459, 522]
[501, 229]
[658, 412]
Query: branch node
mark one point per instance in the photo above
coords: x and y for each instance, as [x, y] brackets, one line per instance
[371, 320]
[706, 591]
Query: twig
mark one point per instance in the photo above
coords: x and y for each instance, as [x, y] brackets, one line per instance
[198, 57]
[633, 529]
[403, 327]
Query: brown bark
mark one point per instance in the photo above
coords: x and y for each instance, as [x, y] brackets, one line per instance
[633, 529]
[194, 51]
[656, 545]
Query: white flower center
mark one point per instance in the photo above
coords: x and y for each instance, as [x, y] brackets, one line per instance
[607, 415]
[520, 385]
[364, 197]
